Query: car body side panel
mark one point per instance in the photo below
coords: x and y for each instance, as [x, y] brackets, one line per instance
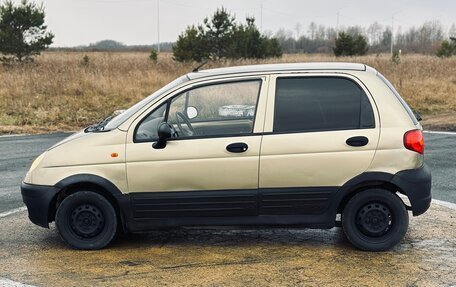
[314, 159]
[115, 173]
[91, 154]
[197, 164]
[391, 155]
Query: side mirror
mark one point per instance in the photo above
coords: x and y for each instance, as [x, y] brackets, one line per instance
[192, 112]
[164, 133]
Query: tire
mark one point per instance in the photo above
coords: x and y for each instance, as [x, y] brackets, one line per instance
[86, 220]
[375, 220]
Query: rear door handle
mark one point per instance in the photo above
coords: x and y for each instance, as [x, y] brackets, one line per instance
[357, 141]
[237, 147]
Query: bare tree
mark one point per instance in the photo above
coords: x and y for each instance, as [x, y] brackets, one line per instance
[312, 30]
[425, 38]
[452, 31]
[374, 32]
[298, 29]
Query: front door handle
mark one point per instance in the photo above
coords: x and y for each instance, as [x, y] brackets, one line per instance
[237, 147]
[357, 141]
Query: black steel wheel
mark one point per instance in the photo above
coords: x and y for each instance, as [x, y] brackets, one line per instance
[86, 220]
[375, 220]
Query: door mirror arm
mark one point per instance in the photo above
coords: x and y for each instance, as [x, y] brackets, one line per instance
[164, 133]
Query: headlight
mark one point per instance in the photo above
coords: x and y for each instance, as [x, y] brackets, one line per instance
[37, 161]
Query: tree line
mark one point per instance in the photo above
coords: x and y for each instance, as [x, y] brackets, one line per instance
[115, 46]
[424, 39]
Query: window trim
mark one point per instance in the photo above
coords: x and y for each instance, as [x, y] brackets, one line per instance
[167, 101]
[339, 76]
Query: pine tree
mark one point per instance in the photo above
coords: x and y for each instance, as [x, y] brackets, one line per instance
[447, 48]
[347, 45]
[221, 37]
[23, 33]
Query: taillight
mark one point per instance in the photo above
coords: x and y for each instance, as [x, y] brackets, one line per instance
[414, 141]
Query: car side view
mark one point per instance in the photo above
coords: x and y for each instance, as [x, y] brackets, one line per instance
[293, 145]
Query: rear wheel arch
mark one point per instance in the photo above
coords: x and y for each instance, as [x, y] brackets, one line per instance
[365, 182]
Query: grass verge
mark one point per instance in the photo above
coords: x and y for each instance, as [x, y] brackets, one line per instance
[61, 91]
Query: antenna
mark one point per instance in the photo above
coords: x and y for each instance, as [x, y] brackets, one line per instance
[195, 70]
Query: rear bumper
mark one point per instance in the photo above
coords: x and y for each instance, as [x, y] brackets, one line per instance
[416, 184]
[38, 198]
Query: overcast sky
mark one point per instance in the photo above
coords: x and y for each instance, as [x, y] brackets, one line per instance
[80, 22]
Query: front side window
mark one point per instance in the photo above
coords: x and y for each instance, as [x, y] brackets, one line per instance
[310, 104]
[148, 128]
[212, 110]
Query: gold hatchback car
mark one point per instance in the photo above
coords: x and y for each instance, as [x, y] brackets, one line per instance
[298, 145]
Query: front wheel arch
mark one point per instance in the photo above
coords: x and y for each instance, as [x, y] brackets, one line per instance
[92, 183]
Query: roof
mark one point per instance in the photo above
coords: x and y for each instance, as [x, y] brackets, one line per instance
[268, 68]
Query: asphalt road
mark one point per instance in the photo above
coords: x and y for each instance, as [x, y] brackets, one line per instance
[18, 152]
[16, 155]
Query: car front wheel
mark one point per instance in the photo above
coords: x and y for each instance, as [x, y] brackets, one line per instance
[375, 220]
[86, 220]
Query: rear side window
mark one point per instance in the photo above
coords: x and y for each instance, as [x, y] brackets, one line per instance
[310, 104]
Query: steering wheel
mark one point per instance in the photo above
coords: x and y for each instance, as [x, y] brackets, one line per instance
[148, 129]
[187, 132]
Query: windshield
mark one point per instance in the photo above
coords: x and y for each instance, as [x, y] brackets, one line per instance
[119, 119]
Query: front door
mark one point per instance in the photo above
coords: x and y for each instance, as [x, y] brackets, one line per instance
[210, 166]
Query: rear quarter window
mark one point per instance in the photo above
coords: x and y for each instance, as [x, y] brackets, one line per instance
[309, 104]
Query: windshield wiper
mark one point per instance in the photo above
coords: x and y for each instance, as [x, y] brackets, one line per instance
[98, 126]
[103, 123]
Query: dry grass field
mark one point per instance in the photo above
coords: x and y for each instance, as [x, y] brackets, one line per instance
[59, 92]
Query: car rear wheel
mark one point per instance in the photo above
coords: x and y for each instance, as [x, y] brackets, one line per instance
[375, 220]
[86, 220]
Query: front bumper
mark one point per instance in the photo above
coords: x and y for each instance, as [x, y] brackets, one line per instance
[416, 184]
[38, 199]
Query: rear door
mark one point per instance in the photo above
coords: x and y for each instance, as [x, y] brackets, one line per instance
[321, 131]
